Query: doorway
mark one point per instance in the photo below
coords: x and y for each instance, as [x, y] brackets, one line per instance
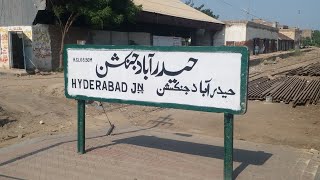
[17, 50]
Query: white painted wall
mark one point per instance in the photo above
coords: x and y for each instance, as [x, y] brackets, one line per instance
[236, 32]
[260, 33]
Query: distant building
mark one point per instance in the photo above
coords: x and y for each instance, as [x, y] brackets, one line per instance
[267, 23]
[30, 39]
[285, 43]
[283, 27]
[259, 38]
[294, 34]
[306, 33]
[287, 35]
[173, 18]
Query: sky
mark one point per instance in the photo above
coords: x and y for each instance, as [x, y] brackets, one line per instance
[304, 14]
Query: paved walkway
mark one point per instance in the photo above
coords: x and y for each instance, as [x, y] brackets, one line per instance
[137, 153]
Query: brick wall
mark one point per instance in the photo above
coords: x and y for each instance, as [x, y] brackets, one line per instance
[248, 44]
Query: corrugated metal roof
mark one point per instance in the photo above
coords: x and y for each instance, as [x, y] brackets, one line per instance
[284, 37]
[18, 12]
[174, 8]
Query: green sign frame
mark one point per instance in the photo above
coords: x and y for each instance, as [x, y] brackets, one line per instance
[243, 83]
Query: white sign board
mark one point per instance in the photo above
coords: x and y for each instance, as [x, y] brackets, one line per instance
[204, 80]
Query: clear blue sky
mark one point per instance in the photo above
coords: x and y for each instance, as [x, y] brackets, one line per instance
[304, 14]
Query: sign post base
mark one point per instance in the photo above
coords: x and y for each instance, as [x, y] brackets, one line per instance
[81, 126]
[228, 146]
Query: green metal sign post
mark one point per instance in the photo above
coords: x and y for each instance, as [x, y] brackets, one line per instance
[208, 79]
[228, 146]
[81, 126]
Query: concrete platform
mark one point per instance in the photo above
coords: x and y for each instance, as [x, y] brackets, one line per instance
[137, 153]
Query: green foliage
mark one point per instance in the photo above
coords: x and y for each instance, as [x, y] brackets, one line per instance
[314, 41]
[201, 8]
[316, 38]
[99, 13]
[58, 10]
[306, 41]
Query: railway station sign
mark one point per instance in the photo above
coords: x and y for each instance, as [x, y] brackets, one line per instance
[212, 79]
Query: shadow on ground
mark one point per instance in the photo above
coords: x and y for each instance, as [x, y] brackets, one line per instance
[205, 150]
[161, 121]
[245, 157]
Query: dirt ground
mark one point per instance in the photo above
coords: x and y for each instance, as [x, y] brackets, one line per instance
[35, 105]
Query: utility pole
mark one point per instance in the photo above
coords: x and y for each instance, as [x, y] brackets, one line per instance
[299, 31]
[248, 10]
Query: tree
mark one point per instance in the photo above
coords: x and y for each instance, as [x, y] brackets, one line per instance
[307, 41]
[313, 41]
[98, 13]
[201, 8]
[316, 38]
